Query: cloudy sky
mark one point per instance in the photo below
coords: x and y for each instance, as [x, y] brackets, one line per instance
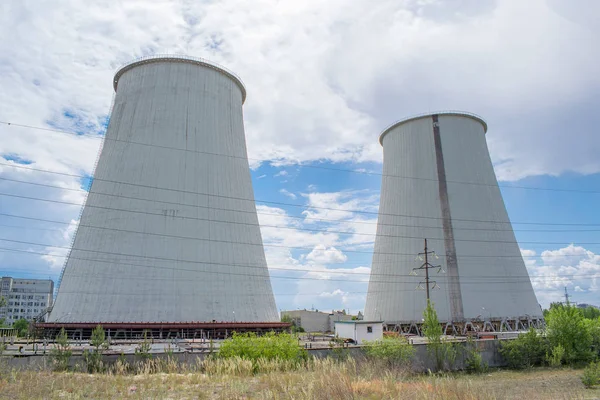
[323, 79]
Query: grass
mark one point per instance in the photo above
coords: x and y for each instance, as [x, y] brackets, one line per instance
[316, 379]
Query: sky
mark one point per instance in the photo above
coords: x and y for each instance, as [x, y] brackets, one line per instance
[323, 80]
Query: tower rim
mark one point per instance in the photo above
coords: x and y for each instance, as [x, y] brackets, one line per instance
[430, 114]
[156, 58]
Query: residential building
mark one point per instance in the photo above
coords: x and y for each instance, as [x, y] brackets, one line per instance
[25, 298]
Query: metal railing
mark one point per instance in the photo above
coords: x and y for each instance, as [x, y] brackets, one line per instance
[428, 114]
[179, 58]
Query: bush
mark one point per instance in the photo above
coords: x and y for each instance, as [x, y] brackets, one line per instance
[526, 351]
[22, 327]
[567, 327]
[272, 346]
[555, 359]
[474, 361]
[61, 354]
[591, 375]
[392, 351]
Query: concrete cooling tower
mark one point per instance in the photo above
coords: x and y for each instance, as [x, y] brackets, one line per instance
[439, 184]
[169, 231]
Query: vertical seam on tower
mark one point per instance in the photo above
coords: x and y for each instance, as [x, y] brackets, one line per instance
[456, 305]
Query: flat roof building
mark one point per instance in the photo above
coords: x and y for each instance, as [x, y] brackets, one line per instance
[25, 298]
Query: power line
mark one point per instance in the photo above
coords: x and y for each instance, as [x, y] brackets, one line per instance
[263, 201]
[299, 164]
[475, 279]
[279, 215]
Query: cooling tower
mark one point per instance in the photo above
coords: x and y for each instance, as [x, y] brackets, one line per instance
[169, 231]
[438, 183]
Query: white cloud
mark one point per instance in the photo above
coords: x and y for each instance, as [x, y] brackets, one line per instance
[288, 194]
[281, 173]
[573, 267]
[262, 176]
[321, 254]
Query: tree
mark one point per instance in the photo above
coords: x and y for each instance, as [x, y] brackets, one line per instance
[61, 354]
[93, 358]
[439, 348]
[567, 327]
[591, 312]
[526, 351]
[22, 326]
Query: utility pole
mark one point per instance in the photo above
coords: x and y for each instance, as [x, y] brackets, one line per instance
[567, 295]
[426, 266]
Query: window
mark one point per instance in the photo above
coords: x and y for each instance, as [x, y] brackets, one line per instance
[369, 329]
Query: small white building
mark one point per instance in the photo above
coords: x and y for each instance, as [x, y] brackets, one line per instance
[359, 331]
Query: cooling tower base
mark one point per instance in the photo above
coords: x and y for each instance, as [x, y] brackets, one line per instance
[468, 327]
[159, 330]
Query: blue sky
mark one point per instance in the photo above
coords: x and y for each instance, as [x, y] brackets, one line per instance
[323, 80]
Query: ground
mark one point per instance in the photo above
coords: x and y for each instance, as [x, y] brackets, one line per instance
[330, 383]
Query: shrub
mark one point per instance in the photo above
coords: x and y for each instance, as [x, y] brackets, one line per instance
[593, 326]
[555, 359]
[22, 327]
[526, 351]
[272, 346]
[61, 354]
[474, 361]
[393, 351]
[591, 375]
[567, 327]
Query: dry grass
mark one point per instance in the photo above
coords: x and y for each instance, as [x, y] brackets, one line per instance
[317, 379]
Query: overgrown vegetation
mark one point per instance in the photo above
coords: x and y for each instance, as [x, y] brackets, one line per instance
[22, 327]
[591, 375]
[61, 354]
[528, 350]
[473, 360]
[256, 349]
[566, 327]
[393, 351]
[442, 351]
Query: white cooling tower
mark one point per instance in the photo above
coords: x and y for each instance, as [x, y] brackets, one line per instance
[438, 183]
[169, 231]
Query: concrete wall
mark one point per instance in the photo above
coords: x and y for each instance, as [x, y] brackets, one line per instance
[489, 350]
[169, 232]
[311, 321]
[453, 201]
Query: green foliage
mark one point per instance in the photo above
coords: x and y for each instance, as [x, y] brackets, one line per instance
[22, 326]
[272, 346]
[567, 327]
[591, 312]
[294, 328]
[528, 350]
[143, 348]
[61, 354]
[593, 327]
[591, 375]
[2, 301]
[93, 358]
[443, 351]
[473, 360]
[394, 351]
[556, 357]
